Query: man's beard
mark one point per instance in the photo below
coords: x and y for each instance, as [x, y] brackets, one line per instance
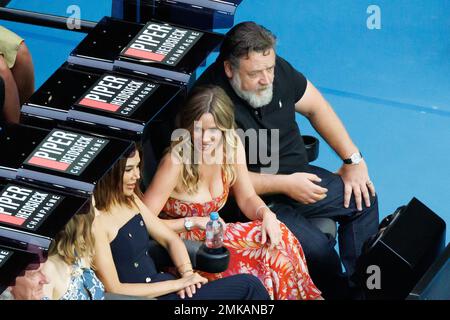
[255, 100]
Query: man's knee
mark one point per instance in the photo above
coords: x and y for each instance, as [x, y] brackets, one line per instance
[374, 200]
[352, 213]
[373, 209]
[374, 214]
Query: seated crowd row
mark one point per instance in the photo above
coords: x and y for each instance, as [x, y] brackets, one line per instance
[105, 247]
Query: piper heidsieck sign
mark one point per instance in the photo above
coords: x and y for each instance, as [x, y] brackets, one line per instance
[4, 255]
[161, 43]
[66, 151]
[25, 207]
[117, 94]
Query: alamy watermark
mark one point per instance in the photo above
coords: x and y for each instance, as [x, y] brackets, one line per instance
[374, 19]
[190, 148]
[74, 19]
[373, 282]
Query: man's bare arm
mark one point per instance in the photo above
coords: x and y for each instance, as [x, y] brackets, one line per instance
[265, 184]
[323, 118]
[300, 186]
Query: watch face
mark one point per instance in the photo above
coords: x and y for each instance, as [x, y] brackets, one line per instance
[188, 224]
[356, 158]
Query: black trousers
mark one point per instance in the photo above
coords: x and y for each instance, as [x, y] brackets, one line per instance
[355, 227]
[237, 287]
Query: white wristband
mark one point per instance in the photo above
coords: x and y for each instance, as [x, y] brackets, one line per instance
[257, 211]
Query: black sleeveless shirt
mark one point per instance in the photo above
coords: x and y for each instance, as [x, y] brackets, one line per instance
[288, 87]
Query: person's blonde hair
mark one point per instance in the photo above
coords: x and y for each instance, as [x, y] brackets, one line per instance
[76, 240]
[202, 100]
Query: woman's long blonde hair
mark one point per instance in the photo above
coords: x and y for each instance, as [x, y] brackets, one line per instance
[202, 100]
[76, 239]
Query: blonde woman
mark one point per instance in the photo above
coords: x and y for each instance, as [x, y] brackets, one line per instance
[69, 266]
[195, 177]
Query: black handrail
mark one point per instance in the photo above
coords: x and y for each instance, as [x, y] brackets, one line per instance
[42, 19]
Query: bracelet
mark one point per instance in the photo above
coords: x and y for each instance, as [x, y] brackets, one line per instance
[259, 208]
[186, 271]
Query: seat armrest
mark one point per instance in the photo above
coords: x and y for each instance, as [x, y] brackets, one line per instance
[201, 257]
[326, 225]
[312, 147]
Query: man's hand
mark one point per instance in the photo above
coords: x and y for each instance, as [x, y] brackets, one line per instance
[356, 180]
[302, 187]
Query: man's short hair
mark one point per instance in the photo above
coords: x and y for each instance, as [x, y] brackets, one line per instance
[244, 38]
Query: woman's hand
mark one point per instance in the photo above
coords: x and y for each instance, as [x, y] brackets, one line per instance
[270, 228]
[190, 282]
[200, 222]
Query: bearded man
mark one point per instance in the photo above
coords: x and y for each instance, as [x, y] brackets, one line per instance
[267, 93]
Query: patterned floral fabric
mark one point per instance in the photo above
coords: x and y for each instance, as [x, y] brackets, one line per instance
[84, 285]
[282, 270]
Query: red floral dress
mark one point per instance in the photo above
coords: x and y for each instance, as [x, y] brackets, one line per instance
[282, 270]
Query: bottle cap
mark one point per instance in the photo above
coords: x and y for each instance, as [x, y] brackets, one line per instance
[214, 216]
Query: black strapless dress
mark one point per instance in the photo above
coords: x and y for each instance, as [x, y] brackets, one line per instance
[130, 253]
[135, 265]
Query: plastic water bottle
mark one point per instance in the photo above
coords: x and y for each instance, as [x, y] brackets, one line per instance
[214, 232]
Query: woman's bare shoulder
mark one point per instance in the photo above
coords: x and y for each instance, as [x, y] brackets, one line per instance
[56, 268]
[102, 222]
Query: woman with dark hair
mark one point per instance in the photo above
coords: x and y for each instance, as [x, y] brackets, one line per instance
[122, 229]
[205, 162]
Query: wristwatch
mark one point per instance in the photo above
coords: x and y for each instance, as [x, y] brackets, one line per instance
[355, 158]
[188, 224]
